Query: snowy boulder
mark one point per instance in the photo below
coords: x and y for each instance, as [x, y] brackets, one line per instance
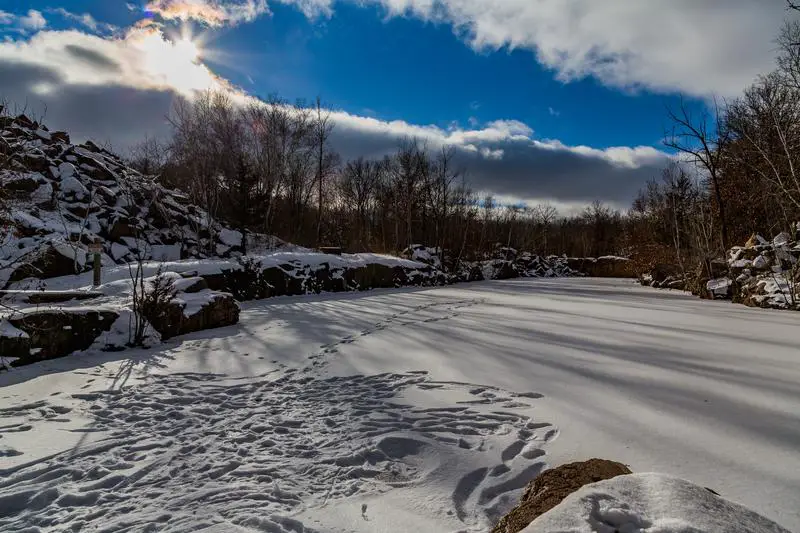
[56, 333]
[423, 254]
[551, 487]
[13, 342]
[197, 311]
[230, 238]
[72, 187]
[719, 288]
[66, 170]
[650, 502]
[782, 239]
[761, 263]
[50, 260]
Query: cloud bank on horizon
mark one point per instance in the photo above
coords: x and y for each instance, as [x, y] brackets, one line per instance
[117, 85]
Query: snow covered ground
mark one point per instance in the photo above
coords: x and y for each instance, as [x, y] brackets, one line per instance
[405, 410]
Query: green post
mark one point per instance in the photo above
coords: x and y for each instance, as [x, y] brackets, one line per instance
[96, 248]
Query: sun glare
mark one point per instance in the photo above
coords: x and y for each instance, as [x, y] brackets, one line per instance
[186, 48]
[177, 60]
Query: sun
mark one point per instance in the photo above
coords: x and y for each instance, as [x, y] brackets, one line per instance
[175, 60]
[187, 49]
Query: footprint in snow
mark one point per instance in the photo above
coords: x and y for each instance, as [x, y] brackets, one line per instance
[269, 447]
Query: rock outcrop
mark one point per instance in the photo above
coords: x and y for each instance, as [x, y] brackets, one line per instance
[197, 311]
[761, 273]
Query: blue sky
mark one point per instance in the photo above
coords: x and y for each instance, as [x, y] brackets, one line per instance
[543, 97]
[404, 68]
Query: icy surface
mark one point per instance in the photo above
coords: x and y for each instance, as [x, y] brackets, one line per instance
[649, 503]
[405, 410]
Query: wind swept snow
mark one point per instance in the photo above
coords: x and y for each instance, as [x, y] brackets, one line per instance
[404, 410]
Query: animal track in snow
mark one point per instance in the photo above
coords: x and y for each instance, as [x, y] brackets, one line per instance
[409, 317]
[193, 449]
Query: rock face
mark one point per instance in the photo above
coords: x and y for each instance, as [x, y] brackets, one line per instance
[552, 486]
[56, 333]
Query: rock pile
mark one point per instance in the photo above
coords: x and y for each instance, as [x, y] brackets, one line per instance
[504, 263]
[765, 273]
[63, 196]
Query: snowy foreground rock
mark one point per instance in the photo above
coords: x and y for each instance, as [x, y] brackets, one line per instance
[649, 503]
[551, 487]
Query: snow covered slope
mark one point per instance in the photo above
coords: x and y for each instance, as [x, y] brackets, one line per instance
[404, 410]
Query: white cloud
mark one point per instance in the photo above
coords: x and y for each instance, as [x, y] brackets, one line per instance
[33, 21]
[697, 47]
[84, 19]
[6, 17]
[143, 58]
[216, 12]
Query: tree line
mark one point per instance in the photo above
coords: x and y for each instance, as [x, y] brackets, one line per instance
[268, 167]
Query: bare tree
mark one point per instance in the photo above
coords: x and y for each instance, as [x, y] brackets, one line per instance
[767, 122]
[358, 184]
[326, 159]
[703, 139]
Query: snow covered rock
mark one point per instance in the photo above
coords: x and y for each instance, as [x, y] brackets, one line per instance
[649, 503]
[424, 254]
[13, 342]
[767, 273]
[552, 486]
[719, 288]
[55, 332]
[48, 259]
[196, 311]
